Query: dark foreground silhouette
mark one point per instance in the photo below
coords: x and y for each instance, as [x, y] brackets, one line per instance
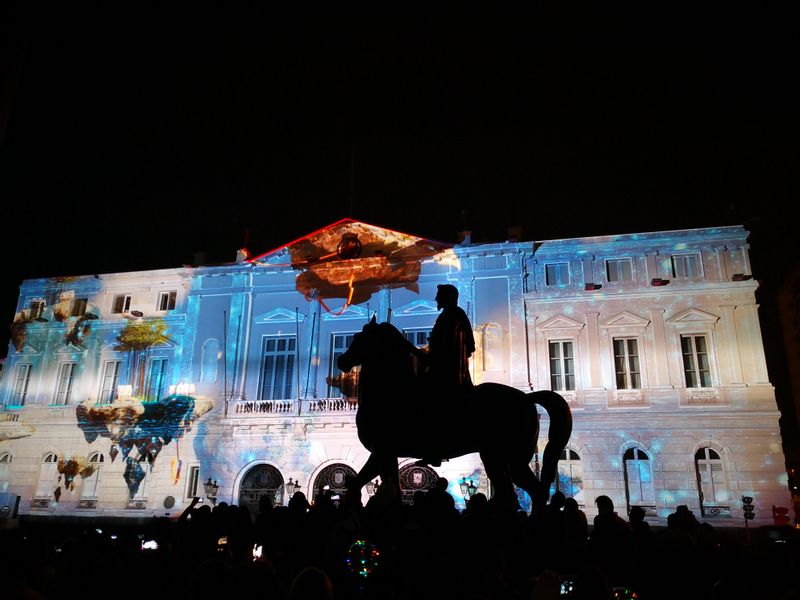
[385, 550]
[400, 416]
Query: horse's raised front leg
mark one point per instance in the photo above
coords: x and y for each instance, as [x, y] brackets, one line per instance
[377, 465]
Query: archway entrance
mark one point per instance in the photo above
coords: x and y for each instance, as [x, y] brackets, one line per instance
[333, 476]
[415, 478]
[260, 481]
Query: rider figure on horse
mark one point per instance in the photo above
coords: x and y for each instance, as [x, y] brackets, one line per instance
[450, 345]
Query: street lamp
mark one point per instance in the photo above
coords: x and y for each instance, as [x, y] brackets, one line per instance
[291, 488]
[211, 488]
[468, 490]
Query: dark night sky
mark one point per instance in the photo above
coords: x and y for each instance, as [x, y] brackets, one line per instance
[131, 141]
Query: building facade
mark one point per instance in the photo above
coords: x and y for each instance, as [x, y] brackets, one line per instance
[124, 393]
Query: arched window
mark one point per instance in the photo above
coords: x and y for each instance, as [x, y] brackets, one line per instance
[639, 489]
[48, 476]
[570, 475]
[261, 480]
[91, 477]
[333, 478]
[414, 478]
[5, 468]
[711, 487]
[209, 360]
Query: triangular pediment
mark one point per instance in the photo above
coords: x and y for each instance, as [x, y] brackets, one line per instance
[693, 316]
[279, 315]
[28, 349]
[625, 319]
[417, 307]
[165, 341]
[559, 322]
[348, 239]
[71, 349]
[350, 312]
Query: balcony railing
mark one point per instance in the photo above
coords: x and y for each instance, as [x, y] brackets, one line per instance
[307, 406]
[716, 510]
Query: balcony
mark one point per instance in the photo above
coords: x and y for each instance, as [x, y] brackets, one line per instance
[41, 502]
[281, 408]
[713, 511]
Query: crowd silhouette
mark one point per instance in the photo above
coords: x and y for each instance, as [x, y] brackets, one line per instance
[429, 549]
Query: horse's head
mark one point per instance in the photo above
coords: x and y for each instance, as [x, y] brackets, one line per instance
[359, 348]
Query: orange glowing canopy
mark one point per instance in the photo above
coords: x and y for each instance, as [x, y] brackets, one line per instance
[352, 260]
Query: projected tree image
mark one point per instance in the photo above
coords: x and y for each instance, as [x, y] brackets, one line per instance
[138, 337]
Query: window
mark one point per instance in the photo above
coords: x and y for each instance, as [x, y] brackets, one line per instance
[21, 384]
[66, 379]
[418, 337]
[166, 300]
[48, 476]
[79, 307]
[639, 489]
[5, 468]
[492, 347]
[619, 269]
[141, 471]
[557, 274]
[277, 368]
[192, 480]
[157, 379]
[91, 476]
[108, 386]
[685, 265]
[710, 479]
[570, 475]
[339, 344]
[209, 360]
[122, 304]
[626, 364]
[696, 364]
[562, 366]
[36, 309]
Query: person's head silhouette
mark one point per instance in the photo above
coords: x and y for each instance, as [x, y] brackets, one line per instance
[605, 505]
[446, 296]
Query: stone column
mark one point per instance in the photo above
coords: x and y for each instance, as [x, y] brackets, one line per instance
[661, 358]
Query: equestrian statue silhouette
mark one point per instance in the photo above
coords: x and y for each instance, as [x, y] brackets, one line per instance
[402, 416]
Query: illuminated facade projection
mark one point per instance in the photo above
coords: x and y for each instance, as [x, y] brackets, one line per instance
[124, 393]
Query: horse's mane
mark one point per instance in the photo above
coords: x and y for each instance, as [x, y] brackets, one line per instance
[393, 350]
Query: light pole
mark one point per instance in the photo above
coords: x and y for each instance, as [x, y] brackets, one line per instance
[291, 488]
[211, 488]
[468, 489]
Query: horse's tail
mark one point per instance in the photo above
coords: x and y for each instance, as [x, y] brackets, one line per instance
[557, 435]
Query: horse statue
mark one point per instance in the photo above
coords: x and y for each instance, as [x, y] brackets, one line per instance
[399, 416]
